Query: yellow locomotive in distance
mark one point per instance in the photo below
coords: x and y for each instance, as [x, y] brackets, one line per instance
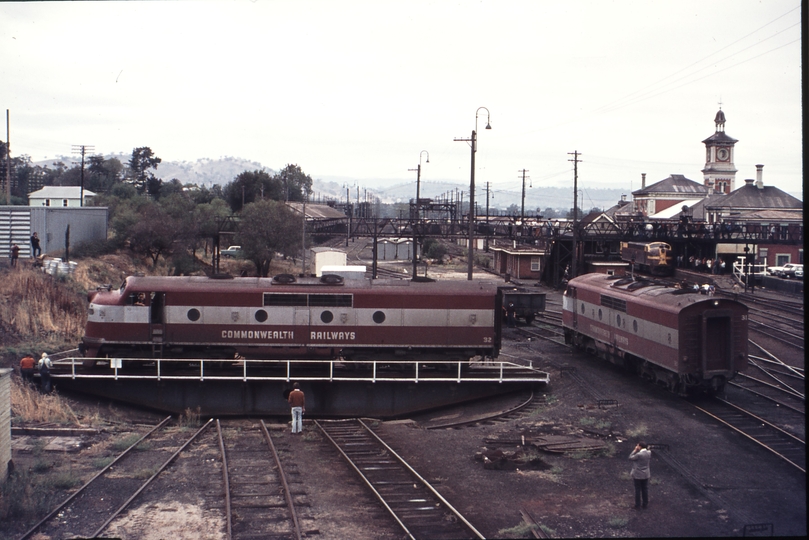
[650, 257]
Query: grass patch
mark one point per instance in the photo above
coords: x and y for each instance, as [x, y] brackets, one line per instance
[46, 312]
[122, 444]
[18, 496]
[29, 405]
[522, 530]
[190, 418]
[41, 466]
[102, 462]
[589, 421]
[618, 522]
[548, 531]
[145, 474]
[62, 480]
[636, 432]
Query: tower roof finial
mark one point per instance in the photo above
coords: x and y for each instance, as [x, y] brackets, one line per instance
[719, 120]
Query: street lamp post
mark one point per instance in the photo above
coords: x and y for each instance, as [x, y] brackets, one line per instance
[473, 144]
[417, 216]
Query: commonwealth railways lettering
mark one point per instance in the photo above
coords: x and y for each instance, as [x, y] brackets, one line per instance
[258, 334]
[338, 336]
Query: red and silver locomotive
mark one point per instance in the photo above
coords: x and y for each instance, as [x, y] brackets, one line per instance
[678, 338]
[285, 318]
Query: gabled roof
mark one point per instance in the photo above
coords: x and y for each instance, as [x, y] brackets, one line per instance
[752, 197]
[317, 211]
[770, 216]
[674, 184]
[60, 192]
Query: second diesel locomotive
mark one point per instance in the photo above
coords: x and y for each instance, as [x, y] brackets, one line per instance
[289, 318]
[650, 257]
[679, 338]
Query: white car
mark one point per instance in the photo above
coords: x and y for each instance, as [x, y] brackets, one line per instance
[232, 251]
[789, 270]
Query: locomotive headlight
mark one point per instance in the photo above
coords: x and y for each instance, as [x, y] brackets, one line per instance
[716, 302]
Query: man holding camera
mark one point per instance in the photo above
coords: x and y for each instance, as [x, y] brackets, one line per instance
[641, 473]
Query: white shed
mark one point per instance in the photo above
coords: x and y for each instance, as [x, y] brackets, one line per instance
[326, 256]
[59, 196]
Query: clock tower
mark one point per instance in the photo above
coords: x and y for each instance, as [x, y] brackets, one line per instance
[719, 173]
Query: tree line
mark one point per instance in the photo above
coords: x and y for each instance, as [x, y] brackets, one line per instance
[158, 218]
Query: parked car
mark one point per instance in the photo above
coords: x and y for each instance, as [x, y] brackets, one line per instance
[799, 272]
[232, 252]
[773, 270]
[788, 270]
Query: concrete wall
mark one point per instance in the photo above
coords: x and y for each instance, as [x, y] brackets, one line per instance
[5, 422]
[86, 223]
[17, 223]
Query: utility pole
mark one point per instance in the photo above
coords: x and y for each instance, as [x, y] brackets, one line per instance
[303, 234]
[488, 190]
[522, 208]
[8, 160]
[576, 162]
[82, 149]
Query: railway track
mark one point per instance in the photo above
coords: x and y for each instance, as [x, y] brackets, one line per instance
[544, 327]
[90, 509]
[775, 381]
[258, 500]
[414, 504]
[522, 408]
[778, 441]
[792, 337]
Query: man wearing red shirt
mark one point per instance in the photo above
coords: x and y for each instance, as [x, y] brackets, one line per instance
[297, 401]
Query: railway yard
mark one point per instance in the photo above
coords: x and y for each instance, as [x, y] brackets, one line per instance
[549, 463]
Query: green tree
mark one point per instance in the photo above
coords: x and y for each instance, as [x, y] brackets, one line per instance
[103, 174]
[266, 228]
[252, 186]
[433, 249]
[294, 182]
[139, 168]
[156, 233]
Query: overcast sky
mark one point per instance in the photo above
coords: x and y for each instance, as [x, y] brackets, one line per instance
[357, 89]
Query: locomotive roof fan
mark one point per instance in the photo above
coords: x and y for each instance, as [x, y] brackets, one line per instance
[332, 279]
[284, 278]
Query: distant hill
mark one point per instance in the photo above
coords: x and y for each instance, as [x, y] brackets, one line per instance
[203, 172]
[207, 172]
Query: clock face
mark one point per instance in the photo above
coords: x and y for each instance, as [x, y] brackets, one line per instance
[722, 154]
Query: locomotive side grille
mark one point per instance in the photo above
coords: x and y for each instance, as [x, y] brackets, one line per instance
[319, 300]
[330, 300]
[613, 303]
[271, 299]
